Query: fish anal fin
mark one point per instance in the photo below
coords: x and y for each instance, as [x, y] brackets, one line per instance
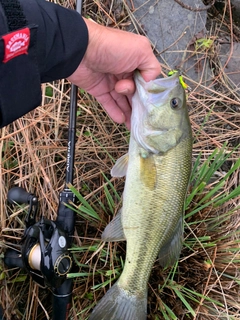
[120, 168]
[114, 230]
[170, 252]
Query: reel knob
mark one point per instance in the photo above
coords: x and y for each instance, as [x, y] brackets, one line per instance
[13, 259]
[20, 196]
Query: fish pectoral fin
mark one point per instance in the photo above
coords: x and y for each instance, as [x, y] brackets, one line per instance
[114, 230]
[120, 168]
[148, 172]
[170, 252]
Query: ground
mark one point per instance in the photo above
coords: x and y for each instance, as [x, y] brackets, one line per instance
[205, 282]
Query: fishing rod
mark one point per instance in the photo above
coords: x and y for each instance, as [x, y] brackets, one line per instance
[45, 243]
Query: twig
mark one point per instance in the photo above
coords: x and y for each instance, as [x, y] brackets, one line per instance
[171, 45]
[185, 6]
[207, 283]
[231, 48]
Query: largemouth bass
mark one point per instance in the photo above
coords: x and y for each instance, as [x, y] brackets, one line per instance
[157, 169]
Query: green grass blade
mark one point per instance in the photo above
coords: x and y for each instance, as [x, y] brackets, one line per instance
[184, 301]
[84, 207]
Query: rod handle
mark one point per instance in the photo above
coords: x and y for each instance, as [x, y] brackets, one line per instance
[62, 298]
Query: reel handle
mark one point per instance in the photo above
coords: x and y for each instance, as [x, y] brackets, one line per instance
[13, 259]
[18, 195]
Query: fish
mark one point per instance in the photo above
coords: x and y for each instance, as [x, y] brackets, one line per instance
[157, 169]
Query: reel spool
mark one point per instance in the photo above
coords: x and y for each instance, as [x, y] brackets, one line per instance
[45, 253]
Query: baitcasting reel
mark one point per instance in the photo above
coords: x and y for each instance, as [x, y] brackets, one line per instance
[45, 246]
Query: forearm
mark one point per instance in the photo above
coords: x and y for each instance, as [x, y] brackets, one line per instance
[58, 41]
[62, 38]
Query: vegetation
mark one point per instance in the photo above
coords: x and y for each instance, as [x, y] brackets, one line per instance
[204, 284]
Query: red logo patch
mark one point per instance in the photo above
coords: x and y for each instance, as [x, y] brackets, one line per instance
[16, 43]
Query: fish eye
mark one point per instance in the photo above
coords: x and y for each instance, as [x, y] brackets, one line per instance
[175, 103]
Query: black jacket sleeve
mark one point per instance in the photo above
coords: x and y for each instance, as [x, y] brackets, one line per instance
[39, 42]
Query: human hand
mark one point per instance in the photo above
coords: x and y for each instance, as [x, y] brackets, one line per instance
[106, 70]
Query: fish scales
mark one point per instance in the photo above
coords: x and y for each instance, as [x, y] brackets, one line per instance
[157, 170]
[159, 207]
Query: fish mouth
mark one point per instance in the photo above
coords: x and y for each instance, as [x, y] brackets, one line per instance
[156, 92]
[159, 85]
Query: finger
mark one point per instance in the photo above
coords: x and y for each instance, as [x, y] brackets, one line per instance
[151, 73]
[111, 107]
[125, 86]
[149, 67]
[123, 103]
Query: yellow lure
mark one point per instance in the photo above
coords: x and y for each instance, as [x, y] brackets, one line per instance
[184, 85]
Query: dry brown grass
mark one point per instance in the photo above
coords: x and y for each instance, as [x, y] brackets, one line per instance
[33, 152]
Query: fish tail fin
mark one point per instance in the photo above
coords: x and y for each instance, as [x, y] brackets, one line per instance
[119, 304]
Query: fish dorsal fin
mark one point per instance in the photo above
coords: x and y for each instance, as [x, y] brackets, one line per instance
[148, 171]
[120, 168]
[114, 230]
[170, 252]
